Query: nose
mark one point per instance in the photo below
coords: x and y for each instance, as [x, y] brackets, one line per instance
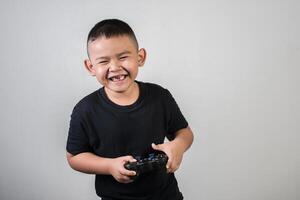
[115, 65]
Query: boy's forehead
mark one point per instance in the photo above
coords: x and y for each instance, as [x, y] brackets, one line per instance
[109, 43]
[106, 47]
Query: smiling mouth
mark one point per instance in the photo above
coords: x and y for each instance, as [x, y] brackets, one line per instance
[118, 78]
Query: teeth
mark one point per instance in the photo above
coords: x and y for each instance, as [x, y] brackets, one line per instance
[118, 78]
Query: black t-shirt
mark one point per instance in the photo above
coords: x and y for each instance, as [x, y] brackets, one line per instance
[109, 130]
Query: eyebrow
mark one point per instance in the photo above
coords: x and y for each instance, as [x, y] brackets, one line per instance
[118, 55]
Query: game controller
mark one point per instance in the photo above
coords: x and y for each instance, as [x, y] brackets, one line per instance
[152, 162]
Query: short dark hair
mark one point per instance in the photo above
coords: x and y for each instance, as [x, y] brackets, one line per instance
[110, 28]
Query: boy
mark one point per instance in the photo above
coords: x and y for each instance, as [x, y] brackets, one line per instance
[123, 119]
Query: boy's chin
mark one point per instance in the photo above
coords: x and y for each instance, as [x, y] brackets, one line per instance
[117, 89]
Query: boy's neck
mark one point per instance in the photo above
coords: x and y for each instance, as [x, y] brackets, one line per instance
[124, 98]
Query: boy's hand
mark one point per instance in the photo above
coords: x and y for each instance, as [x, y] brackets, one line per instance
[173, 151]
[118, 171]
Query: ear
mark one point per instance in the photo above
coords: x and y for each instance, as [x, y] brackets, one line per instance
[90, 68]
[142, 54]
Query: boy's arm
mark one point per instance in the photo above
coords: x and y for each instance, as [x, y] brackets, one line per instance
[90, 163]
[175, 148]
[184, 139]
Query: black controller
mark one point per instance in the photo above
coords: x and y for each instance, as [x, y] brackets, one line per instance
[154, 161]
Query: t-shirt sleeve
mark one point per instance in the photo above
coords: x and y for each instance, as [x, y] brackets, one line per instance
[175, 119]
[78, 141]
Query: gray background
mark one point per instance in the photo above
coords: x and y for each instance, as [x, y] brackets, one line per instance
[232, 66]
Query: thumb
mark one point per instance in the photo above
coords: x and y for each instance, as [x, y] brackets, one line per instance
[129, 159]
[157, 147]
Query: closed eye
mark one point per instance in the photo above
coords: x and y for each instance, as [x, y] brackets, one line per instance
[123, 57]
[103, 62]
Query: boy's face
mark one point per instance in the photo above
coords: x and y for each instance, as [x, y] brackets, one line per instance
[115, 61]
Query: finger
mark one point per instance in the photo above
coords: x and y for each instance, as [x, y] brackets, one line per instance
[129, 159]
[130, 181]
[172, 169]
[124, 179]
[127, 181]
[169, 163]
[173, 166]
[169, 170]
[126, 172]
[157, 147]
